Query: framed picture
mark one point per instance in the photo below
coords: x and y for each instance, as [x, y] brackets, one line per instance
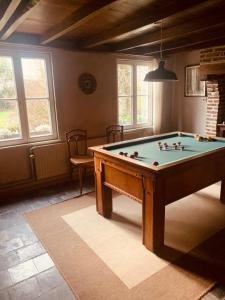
[193, 86]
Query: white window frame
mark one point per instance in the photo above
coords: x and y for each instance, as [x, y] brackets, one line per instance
[134, 64]
[16, 56]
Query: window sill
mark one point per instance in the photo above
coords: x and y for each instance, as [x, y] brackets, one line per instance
[40, 143]
[127, 130]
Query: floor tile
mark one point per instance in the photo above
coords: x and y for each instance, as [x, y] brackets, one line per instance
[22, 271]
[26, 290]
[61, 292]
[30, 251]
[4, 236]
[10, 219]
[22, 231]
[4, 295]
[49, 279]
[10, 245]
[5, 280]
[9, 260]
[40, 204]
[43, 262]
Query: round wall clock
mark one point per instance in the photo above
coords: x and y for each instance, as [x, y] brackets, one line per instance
[87, 83]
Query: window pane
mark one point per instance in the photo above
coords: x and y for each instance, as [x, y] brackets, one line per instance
[124, 80]
[142, 109]
[7, 81]
[142, 86]
[9, 120]
[39, 119]
[35, 79]
[125, 110]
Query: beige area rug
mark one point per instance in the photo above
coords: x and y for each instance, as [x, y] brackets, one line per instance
[105, 259]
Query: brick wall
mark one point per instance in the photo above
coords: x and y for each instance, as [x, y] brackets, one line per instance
[212, 55]
[212, 107]
[215, 88]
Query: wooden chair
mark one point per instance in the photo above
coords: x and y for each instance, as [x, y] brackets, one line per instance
[114, 131]
[77, 149]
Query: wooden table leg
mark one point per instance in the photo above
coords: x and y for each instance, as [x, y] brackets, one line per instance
[153, 216]
[222, 191]
[103, 193]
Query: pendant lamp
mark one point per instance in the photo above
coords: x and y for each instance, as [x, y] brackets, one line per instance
[161, 73]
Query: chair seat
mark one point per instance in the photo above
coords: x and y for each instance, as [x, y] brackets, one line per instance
[82, 160]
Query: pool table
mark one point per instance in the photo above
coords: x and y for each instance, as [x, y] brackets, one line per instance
[178, 174]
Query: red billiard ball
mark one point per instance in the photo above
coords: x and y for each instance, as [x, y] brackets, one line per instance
[155, 163]
[121, 153]
[135, 153]
[132, 156]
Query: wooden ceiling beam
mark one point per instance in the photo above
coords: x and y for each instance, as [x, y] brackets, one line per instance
[192, 46]
[7, 8]
[153, 13]
[74, 20]
[197, 39]
[181, 30]
[18, 17]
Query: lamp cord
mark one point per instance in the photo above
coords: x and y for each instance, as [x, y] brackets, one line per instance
[161, 41]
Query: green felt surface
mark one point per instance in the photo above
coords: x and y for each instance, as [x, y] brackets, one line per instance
[149, 150]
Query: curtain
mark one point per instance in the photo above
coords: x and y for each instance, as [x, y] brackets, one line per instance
[162, 103]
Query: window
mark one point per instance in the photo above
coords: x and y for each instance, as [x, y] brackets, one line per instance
[134, 94]
[27, 109]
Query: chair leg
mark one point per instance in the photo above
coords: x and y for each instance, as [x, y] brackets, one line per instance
[81, 179]
[71, 173]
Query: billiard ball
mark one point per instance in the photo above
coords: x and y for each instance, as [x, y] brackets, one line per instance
[179, 133]
[182, 148]
[179, 143]
[125, 154]
[159, 143]
[160, 147]
[132, 156]
[155, 163]
[121, 153]
[199, 138]
[135, 153]
[209, 138]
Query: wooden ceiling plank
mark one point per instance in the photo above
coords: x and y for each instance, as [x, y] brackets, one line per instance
[18, 17]
[8, 7]
[151, 14]
[174, 32]
[74, 20]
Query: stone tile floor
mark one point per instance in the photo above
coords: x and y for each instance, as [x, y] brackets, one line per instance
[26, 270]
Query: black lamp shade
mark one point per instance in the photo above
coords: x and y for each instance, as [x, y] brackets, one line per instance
[160, 74]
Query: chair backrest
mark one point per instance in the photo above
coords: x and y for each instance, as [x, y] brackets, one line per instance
[76, 140]
[114, 131]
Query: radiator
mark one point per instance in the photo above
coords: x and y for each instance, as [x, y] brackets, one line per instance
[50, 160]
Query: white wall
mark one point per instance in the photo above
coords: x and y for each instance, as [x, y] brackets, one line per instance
[189, 113]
